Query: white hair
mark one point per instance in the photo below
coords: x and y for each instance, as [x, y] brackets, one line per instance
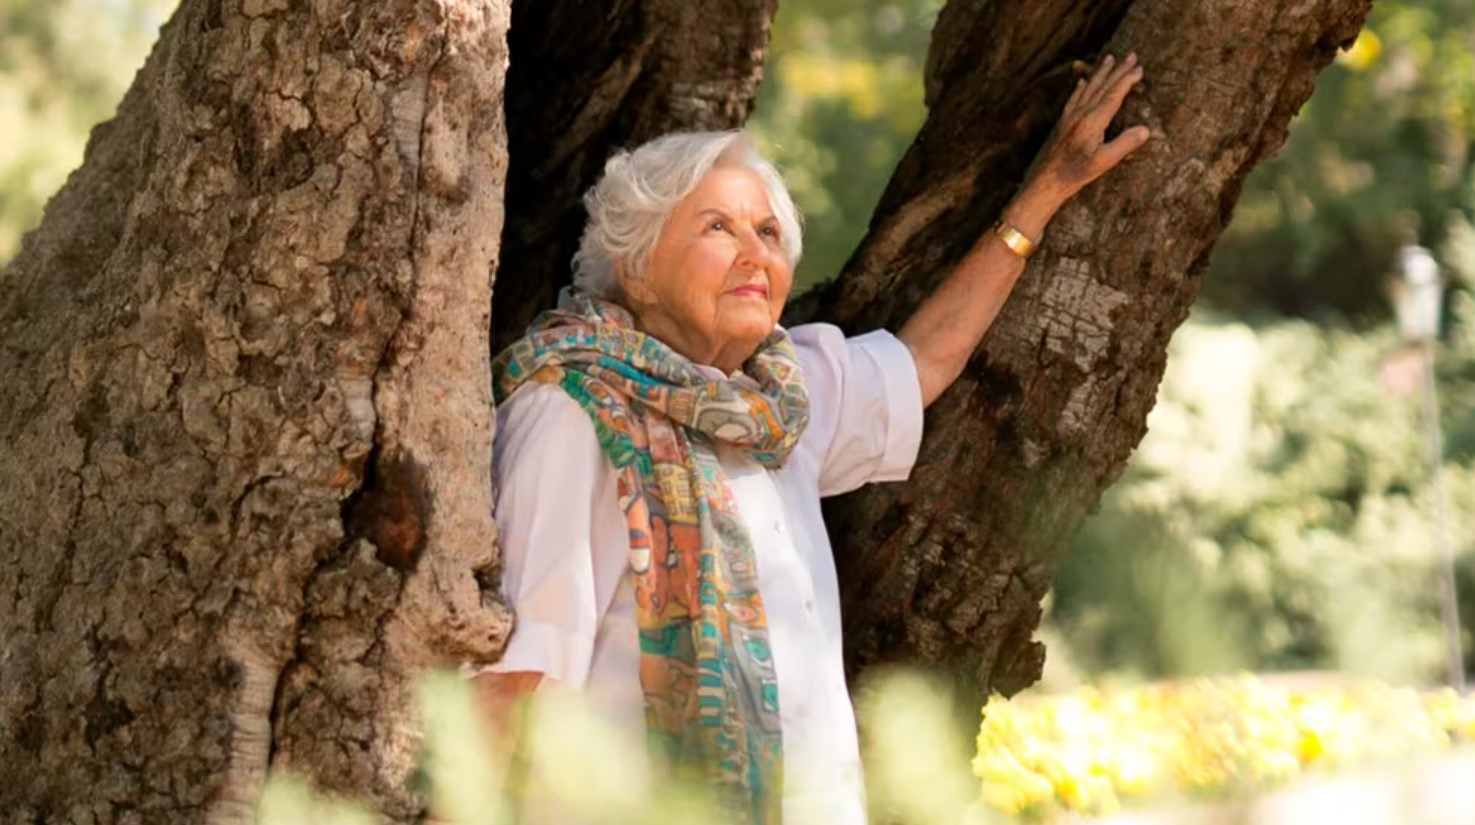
[630, 204]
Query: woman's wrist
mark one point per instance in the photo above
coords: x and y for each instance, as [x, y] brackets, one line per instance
[1031, 211]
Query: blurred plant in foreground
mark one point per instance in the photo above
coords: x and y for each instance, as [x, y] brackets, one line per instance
[576, 763]
[1091, 751]
[916, 758]
[570, 763]
[1038, 758]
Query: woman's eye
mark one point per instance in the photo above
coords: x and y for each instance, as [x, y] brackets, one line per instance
[719, 226]
[770, 231]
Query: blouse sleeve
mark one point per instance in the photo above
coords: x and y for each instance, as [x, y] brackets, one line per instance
[865, 404]
[558, 519]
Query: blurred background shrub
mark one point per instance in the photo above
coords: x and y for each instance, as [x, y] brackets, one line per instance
[64, 65]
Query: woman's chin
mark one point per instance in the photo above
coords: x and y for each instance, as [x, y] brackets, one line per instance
[753, 328]
[746, 316]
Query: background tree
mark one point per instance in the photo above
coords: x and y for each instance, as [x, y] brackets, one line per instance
[244, 491]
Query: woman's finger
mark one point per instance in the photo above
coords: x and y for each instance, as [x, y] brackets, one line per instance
[1125, 68]
[1109, 81]
[1075, 99]
[1117, 150]
[1111, 101]
[1097, 81]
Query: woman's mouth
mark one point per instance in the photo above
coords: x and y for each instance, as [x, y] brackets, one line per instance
[757, 290]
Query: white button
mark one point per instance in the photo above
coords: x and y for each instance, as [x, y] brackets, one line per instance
[809, 605]
[778, 525]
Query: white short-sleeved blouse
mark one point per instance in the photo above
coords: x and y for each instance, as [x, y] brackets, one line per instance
[565, 552]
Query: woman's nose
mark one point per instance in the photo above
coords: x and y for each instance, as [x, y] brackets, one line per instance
[752, 251]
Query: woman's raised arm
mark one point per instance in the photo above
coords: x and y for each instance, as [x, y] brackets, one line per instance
[945, 330]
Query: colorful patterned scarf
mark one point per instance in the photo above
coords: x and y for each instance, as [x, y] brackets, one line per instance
[711, 699]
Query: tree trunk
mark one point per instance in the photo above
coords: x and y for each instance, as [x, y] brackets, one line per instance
[950, 568]
[244, 483]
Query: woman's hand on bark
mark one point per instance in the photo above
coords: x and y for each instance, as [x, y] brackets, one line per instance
[1077, 152]
[946, 329]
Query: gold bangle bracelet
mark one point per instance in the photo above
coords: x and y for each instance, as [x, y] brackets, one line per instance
[1017, 241]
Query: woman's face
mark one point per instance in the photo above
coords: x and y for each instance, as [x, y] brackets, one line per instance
[717, 279]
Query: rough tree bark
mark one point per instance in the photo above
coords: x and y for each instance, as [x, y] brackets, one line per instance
[950, 568]
[244, 485]
[244, 480]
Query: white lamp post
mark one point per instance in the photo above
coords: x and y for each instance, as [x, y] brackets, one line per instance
[1418, 299]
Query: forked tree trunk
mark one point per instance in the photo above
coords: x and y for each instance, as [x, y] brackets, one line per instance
[950, 569]
[244, 448]
[244, 483]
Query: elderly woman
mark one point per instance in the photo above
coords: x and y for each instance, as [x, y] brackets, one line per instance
[663, 446]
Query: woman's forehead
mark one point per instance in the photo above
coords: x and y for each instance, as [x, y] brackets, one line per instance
[731, 190]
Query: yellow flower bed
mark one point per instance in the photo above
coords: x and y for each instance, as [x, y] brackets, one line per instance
[1091, 751]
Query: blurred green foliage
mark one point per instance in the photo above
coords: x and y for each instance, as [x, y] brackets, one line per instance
[1054, 759]
[1384, 151]
[575, 763]
[1276, 516]
[64, 65]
